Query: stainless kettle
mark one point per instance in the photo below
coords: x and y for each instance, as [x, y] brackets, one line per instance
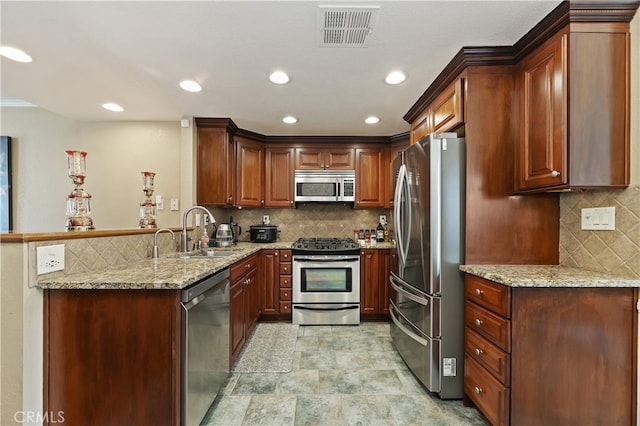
[236, 229]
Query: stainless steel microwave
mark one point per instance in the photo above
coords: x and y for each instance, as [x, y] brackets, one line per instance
[325, 186]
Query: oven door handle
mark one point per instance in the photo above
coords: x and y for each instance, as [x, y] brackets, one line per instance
[396, 284]
[311, 259]
[341, 308]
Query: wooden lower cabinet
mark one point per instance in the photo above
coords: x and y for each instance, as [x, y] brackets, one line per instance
[112, 357]
[275, 271]
[552, 355]
[244, 303]
[375, 290]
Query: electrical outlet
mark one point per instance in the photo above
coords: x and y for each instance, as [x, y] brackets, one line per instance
[49, 259]
[175, 204]
[265, 219]
[383, 219]
[599, 219]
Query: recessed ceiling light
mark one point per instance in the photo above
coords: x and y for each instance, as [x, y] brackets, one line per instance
[112, 107]
[279, 77]
[395, 77]
[190, 86]
[14, 54]
[289, 119]
[372, 120]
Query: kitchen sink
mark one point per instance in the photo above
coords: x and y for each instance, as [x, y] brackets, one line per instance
[209, 253]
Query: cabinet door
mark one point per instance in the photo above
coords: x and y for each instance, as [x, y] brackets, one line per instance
[278, 187]
[252, 301]
[309, 158]
[339, 159]
[542, 82]
[369, 281]
[387, 264]
[372, 183]
[270, 282]
[236, 319]
[250, 173]
[214, 167]
[447, 109]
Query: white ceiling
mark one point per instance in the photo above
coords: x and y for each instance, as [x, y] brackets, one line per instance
[136, 53]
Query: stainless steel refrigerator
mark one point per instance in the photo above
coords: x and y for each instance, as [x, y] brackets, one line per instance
[427, 310]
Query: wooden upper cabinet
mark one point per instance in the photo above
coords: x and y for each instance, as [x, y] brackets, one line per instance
[323, 158]
[447, 110]
[249, 173]
[279, 163]
[444, 114]
[215, 162]
[372, 177]
[574, 110]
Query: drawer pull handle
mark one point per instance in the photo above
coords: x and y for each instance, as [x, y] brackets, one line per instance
[479, 292]
[478, 322]
[478, 352]
[477, 390]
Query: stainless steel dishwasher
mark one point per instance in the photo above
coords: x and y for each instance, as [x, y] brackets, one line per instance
[205, 344]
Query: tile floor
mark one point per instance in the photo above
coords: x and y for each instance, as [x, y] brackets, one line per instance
[342, 375]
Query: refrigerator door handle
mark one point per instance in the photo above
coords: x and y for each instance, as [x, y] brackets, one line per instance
[401, 184]
[404, 329]
[396, 284]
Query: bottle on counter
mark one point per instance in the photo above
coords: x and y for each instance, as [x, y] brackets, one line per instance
[367, 236]
[361, 237]
[380, 233]
[356, 235]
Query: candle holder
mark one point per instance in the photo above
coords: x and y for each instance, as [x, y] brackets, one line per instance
[78, 201]
[148, 206]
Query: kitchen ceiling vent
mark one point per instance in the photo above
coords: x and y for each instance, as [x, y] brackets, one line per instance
[346, 26]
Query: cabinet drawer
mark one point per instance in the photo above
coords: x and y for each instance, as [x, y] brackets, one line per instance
[493, 296]
[487, 324]
[285, 268]
[243, 266]
[285, 307]
[488, 355]
[285, 255]
[285, 295]
[285, 281]
[490, 396]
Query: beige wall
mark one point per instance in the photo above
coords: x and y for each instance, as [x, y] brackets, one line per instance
[116, 154]
[610, 251]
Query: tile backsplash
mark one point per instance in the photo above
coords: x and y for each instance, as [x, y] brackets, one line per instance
[307, 220]
[615, 251]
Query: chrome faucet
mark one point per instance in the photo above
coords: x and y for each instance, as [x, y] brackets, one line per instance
[185, 237]
[155, 240]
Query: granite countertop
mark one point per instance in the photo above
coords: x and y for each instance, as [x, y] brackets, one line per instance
[548, 276]
[167, 272]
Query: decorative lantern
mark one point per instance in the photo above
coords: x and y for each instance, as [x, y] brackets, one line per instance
[78, 201]
[148, 206]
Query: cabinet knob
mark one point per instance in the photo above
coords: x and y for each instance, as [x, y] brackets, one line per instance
[286, 294]
[276, 253]
[555, 173]
[478, 352]
[247, 266]
[286, 281]
[477, 390]
[478, 322]
[285, 308]
[479, 292]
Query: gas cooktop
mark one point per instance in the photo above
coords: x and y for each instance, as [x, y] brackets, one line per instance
[305, 245]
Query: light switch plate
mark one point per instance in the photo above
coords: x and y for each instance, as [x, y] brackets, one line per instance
[159, 202]
[49, 259]
[599, 219]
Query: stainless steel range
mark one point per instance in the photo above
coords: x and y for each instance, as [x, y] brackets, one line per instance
[326, 281]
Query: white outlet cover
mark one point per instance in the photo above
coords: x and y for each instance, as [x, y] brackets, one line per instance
[49, 259]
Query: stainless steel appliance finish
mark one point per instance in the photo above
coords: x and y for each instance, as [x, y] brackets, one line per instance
[325, 186]
[205, 346]
[427, 312]
[326, 282]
